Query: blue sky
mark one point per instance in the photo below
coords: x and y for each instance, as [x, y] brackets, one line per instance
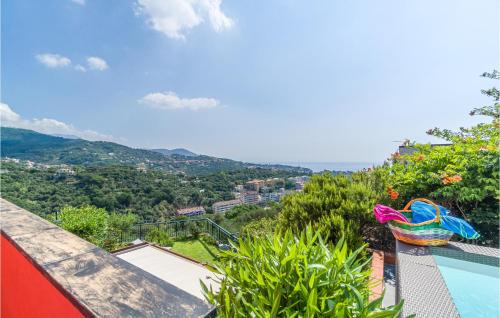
[250, 80]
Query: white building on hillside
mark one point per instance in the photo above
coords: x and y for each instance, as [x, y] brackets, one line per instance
[223, 206]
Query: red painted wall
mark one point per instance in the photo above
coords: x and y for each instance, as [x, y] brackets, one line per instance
[26, 292]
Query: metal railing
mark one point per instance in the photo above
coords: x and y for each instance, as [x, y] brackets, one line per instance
[179, 229]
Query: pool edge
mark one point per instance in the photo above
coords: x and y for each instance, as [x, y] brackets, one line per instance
[420, 284]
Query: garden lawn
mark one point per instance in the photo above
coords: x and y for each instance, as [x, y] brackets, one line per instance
[197, 250]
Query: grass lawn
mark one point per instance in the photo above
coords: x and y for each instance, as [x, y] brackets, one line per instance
[197, 250]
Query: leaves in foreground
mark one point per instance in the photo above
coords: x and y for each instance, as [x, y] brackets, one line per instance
[289, 276]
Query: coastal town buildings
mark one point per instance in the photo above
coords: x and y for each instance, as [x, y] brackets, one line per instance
[255, 184]
[223, 206]
[250, 197]
[270, 197]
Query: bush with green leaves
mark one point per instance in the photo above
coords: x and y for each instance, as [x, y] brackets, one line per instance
[119, 226]
[194, 229]
[261, 227]
[288, 276]
[207, 239]
[339, 206]
[88, 222]
[234, 219]
[160, 237]
[463, 176]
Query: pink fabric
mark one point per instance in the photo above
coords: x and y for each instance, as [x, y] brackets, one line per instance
[384, 214]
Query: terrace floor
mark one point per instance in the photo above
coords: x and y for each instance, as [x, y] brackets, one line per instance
[419, 280]
[179, 271]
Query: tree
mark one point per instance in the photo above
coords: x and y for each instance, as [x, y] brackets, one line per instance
[288, 276]
[339, 206]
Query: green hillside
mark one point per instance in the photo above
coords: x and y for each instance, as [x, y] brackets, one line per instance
[30, 145]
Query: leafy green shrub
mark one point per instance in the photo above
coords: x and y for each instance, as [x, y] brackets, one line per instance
[288, 276]
[234, 219]
[159, 237]
[208, 239]
[261, 227]
[119, 225]
[339, 206]
[88, 222]
[241, 209]
[194, 229]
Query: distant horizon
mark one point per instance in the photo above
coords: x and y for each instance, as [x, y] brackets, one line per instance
[331, 166]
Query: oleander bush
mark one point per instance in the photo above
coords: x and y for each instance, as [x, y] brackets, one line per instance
[294, 276]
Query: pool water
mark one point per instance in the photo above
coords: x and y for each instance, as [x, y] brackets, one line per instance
[474, 287]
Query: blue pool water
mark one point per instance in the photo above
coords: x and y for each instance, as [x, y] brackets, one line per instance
[474, 287]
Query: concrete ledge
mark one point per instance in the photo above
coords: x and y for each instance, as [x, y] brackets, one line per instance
[102, 284]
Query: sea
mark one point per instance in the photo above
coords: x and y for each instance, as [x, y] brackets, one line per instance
[331, 166]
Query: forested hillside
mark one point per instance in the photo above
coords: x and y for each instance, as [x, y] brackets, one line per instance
[153, 194]
[30, 145]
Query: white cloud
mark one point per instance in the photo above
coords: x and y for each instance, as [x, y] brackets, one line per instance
[53, 60]
[7, 114]
[80, 2]
[96, 63]
[170, 100]
[174, 17]
[80, 68]
[9, 118]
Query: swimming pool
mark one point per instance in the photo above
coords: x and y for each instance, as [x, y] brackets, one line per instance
[473, 286]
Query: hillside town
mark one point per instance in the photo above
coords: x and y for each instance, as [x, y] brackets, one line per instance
[254, 192]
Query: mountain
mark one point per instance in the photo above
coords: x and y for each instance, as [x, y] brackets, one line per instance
[66, 136]
[176, 151]
[30, 145]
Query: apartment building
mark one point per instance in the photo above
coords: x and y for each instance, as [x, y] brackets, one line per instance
[223, 206]
[251, 197]
[255, 184]
[270, 197]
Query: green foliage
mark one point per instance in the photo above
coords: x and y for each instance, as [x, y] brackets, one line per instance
[194, 229]
[207, 239]
[121, 222]
[463, 176]
[234, 219]
[88, 222]
[288, 276]
[118, 225]
[261, 227]
[339, 206]
[159, 237]
[241, 209]
[152, 195]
